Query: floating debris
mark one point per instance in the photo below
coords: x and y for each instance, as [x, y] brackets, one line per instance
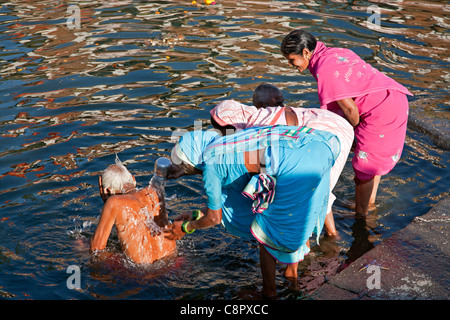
[169, 40]
[207, 2]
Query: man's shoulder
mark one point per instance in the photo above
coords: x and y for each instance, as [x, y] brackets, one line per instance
[147, 192]
[129, 199]
[120, 199]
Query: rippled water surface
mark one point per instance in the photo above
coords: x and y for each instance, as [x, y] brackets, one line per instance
[133, 73]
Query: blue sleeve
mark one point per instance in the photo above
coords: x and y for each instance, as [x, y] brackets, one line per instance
[213, 186]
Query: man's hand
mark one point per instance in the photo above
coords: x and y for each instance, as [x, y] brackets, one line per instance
[173, 231]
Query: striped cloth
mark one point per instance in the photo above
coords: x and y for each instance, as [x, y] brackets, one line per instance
[261, 189]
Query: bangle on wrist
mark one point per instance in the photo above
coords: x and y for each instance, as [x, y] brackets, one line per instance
[184, 227]
[196, 214]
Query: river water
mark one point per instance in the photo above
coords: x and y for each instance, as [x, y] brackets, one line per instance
[132, 73]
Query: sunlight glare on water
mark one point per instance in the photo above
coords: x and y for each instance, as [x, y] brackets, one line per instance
[135, 72]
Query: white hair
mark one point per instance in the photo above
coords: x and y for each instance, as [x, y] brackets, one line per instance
[116, 177]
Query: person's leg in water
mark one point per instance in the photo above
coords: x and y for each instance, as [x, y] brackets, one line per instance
[329, 226]
[373, 196]
[268, 264]
[291, 272]
[291, 269]
[365, 195]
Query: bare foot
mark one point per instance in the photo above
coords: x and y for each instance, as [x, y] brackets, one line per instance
[350, 204]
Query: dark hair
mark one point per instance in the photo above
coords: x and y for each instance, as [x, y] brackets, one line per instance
[267, 95]
[224, 130]
[296, 41]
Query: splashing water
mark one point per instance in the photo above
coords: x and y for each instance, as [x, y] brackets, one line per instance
[80, 228]
[150, 223]
[73, 98]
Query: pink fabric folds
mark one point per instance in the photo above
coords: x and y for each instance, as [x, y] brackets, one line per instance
[241, 116]
[341, 73]
[381, 101]
[380, 134]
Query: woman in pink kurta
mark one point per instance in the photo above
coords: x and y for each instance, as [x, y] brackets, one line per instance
[373, 103]
[240, 116]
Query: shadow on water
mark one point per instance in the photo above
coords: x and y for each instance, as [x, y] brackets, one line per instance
[135, 72]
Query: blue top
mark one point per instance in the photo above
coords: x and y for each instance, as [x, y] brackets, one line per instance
[299, 158]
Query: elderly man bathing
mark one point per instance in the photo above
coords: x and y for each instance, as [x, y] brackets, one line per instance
[139, 216]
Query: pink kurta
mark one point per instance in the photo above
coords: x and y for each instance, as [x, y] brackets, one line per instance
[230, 112]
[382, 104]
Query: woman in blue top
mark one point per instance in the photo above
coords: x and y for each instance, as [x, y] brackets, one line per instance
[268, 183]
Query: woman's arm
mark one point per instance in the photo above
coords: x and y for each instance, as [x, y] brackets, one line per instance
[350, 110]
[213, 188]
[210, 219]
[291, 117]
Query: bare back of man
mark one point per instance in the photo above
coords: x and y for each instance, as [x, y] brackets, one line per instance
[139, 217]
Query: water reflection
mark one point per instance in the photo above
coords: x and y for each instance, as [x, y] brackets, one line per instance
[135, 72]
